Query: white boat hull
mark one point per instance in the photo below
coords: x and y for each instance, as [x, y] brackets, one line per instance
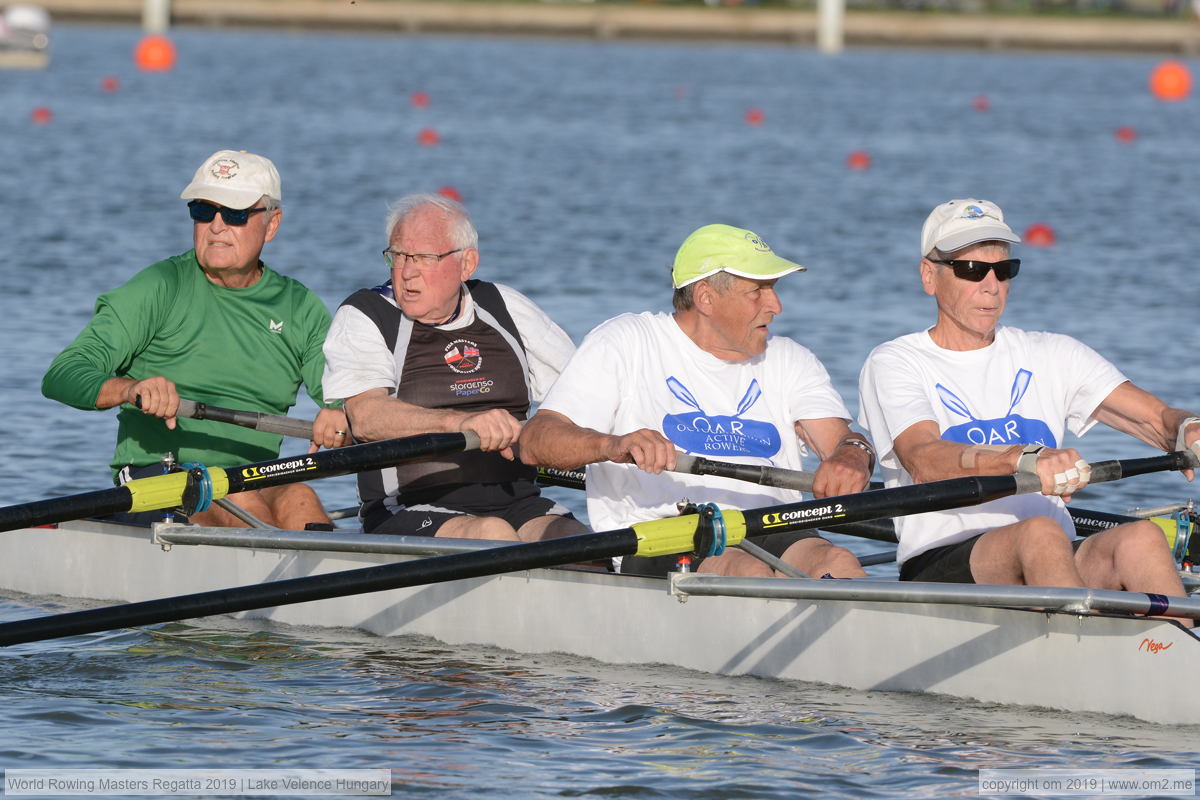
[1078, 662]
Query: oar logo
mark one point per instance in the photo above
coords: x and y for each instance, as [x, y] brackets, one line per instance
[1009, 429]
[719, 434]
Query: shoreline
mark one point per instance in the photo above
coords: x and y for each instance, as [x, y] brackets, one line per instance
[603, 21]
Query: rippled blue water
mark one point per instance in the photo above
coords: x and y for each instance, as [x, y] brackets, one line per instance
[584, 165]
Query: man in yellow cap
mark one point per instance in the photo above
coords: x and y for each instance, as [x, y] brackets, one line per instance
[709, 380]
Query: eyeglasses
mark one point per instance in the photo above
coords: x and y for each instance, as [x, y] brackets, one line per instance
[975, 271]
[203, 211]
[397, 258]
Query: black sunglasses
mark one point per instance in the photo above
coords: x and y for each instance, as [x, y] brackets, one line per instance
[975, 271]
[203, 211]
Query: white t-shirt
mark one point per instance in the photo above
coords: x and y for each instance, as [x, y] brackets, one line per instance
[357, 358]
[641, 371]
[1024, 388]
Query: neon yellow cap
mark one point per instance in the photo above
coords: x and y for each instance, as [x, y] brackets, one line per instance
[714, 248]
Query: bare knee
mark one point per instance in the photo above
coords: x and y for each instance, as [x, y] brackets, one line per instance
[467, 527]
[817, 557]
[1040, 537]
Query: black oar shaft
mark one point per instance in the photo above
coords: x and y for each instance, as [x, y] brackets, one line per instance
[166, 491]
[61, 509]
[587, 547]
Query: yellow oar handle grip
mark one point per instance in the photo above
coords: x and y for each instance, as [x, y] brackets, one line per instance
[166, 491]
[661, 537]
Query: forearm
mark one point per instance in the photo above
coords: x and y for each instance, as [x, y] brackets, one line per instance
[114, 392]
[942, 460]
[552, 440]
[377, 416]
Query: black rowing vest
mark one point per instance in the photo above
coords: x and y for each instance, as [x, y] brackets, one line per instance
[474, 368]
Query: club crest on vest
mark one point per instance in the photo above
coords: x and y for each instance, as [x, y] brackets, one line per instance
[719, 434]
[463, 356]
[1009, 429]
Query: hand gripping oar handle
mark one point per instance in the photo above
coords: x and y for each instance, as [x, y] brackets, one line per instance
[167, 491]
[268, 423]
[658, 537]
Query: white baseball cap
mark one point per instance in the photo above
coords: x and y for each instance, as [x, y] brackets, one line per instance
[958, 223]
[235, 179]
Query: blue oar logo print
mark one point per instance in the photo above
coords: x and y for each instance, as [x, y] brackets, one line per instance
[718, 434]
[1009, 429]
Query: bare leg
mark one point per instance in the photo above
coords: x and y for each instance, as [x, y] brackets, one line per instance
[468, 527]
[550, 526]
[289, 507]
[817, 557]
[1032, 552]
[216, 516]
[735, 563]
[293, 506]
[1133, 557]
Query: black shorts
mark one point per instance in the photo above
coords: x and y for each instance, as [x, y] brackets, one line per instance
[950, 563]
[659, 566]
[515, 503]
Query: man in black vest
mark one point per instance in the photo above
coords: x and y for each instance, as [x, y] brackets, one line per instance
[433, 351]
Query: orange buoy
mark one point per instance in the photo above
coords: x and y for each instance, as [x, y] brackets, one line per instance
[755, 116]
[110, 83]
[41, 116]
[154, 53]
[1039, 234]
[981, 103]
[451, 192]
[419, 100]
[1125, 134]
[429, 137]
[1171, 81]
[858, 160]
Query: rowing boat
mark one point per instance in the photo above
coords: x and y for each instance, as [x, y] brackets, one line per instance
[1058, 648]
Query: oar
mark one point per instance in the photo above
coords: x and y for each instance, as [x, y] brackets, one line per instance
[269, 423]
[179, 488]
[1086, 521]
[658, 537]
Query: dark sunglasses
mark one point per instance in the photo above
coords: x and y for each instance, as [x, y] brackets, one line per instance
[203, 211]
[975, 271]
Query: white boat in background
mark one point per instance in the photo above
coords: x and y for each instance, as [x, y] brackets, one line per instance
[1058, 648]
[24, 37]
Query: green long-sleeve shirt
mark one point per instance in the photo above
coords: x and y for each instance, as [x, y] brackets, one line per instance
[238, 348]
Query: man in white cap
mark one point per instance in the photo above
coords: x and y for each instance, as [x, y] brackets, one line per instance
[970, 396]
[214, 325]
[709, 380]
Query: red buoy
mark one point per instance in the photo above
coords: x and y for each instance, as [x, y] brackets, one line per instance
[451, 192]
[859, 160]
[981, 103]
[680, 91]
[154, 53]
[428, 137]
[419, 100]
[1171, 81]
[110, 83]
[1125, 134]
[41, 116]
[1039, 234]
[755, 116]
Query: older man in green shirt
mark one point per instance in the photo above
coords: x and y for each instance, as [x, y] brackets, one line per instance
[214, 325]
